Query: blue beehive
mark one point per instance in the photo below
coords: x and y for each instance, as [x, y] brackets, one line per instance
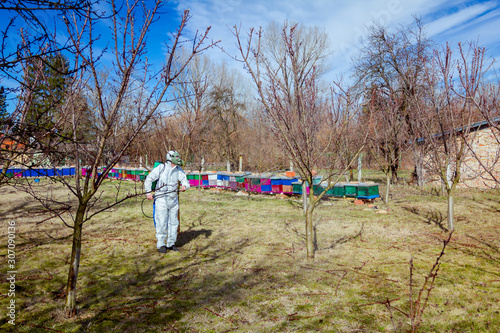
[266, 188]
[276, 181]
[288, 181]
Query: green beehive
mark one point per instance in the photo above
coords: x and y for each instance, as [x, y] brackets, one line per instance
[350, 190]
[255, 180]
[330, 192]
[339, 190]
[190, 176]
[297, 187]
[367, 191]
[317, 179]
[318, 189]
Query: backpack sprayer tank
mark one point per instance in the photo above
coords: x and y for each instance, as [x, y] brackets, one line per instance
[153, 184]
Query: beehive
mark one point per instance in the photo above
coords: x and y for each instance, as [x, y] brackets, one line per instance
[276, 184]
[212, 179]
[367, 191]
[339, 190]
[297, 187]
[266, 188]
[350, 190]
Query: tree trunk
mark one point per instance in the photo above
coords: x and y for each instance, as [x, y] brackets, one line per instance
[75, 262]
[309, 232]
[304, 196]
[360, 168]
[450, 212]
[394, 172]
[387, 187]
[308, 210]
[420, 174]
[351, 175]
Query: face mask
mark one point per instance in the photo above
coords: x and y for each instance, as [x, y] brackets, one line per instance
[174, 157]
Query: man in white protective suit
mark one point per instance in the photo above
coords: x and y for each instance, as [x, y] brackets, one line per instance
[166, 204]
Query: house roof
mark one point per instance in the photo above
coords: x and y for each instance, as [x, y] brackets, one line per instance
[472, 128]
[481, 124]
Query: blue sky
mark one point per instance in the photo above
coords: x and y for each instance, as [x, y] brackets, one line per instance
[345, 21]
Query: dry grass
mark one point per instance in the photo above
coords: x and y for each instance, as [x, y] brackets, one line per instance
[242, 266]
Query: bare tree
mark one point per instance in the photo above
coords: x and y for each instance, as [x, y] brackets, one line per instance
[263, 151]
[390, 68]
[452, 110]
[127, 97]
[285, 67]
[192, 120]
[387, 133]
[37, 33]
[226, 114]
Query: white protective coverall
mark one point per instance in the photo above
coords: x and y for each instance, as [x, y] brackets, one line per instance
[166, 204]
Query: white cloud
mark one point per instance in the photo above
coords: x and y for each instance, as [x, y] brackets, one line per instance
[457, 20]
[345, 21]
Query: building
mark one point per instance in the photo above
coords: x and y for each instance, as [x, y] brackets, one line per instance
[481, 163]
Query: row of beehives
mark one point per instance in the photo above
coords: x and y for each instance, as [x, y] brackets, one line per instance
[275, 184]
[40, 172]
[262, 183]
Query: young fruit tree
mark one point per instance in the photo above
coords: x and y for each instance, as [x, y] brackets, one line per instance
[449, 103]
[309, 121]
[119, 101]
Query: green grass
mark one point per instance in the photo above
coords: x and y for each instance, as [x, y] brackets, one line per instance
[243, 267]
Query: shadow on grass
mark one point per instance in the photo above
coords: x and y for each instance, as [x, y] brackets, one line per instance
[187, 236]
[433, 217]
[485, 251]
[152, 298]
[298, 204]
[489, 245]
[18, 209]
[144, 293]
[345, 239]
